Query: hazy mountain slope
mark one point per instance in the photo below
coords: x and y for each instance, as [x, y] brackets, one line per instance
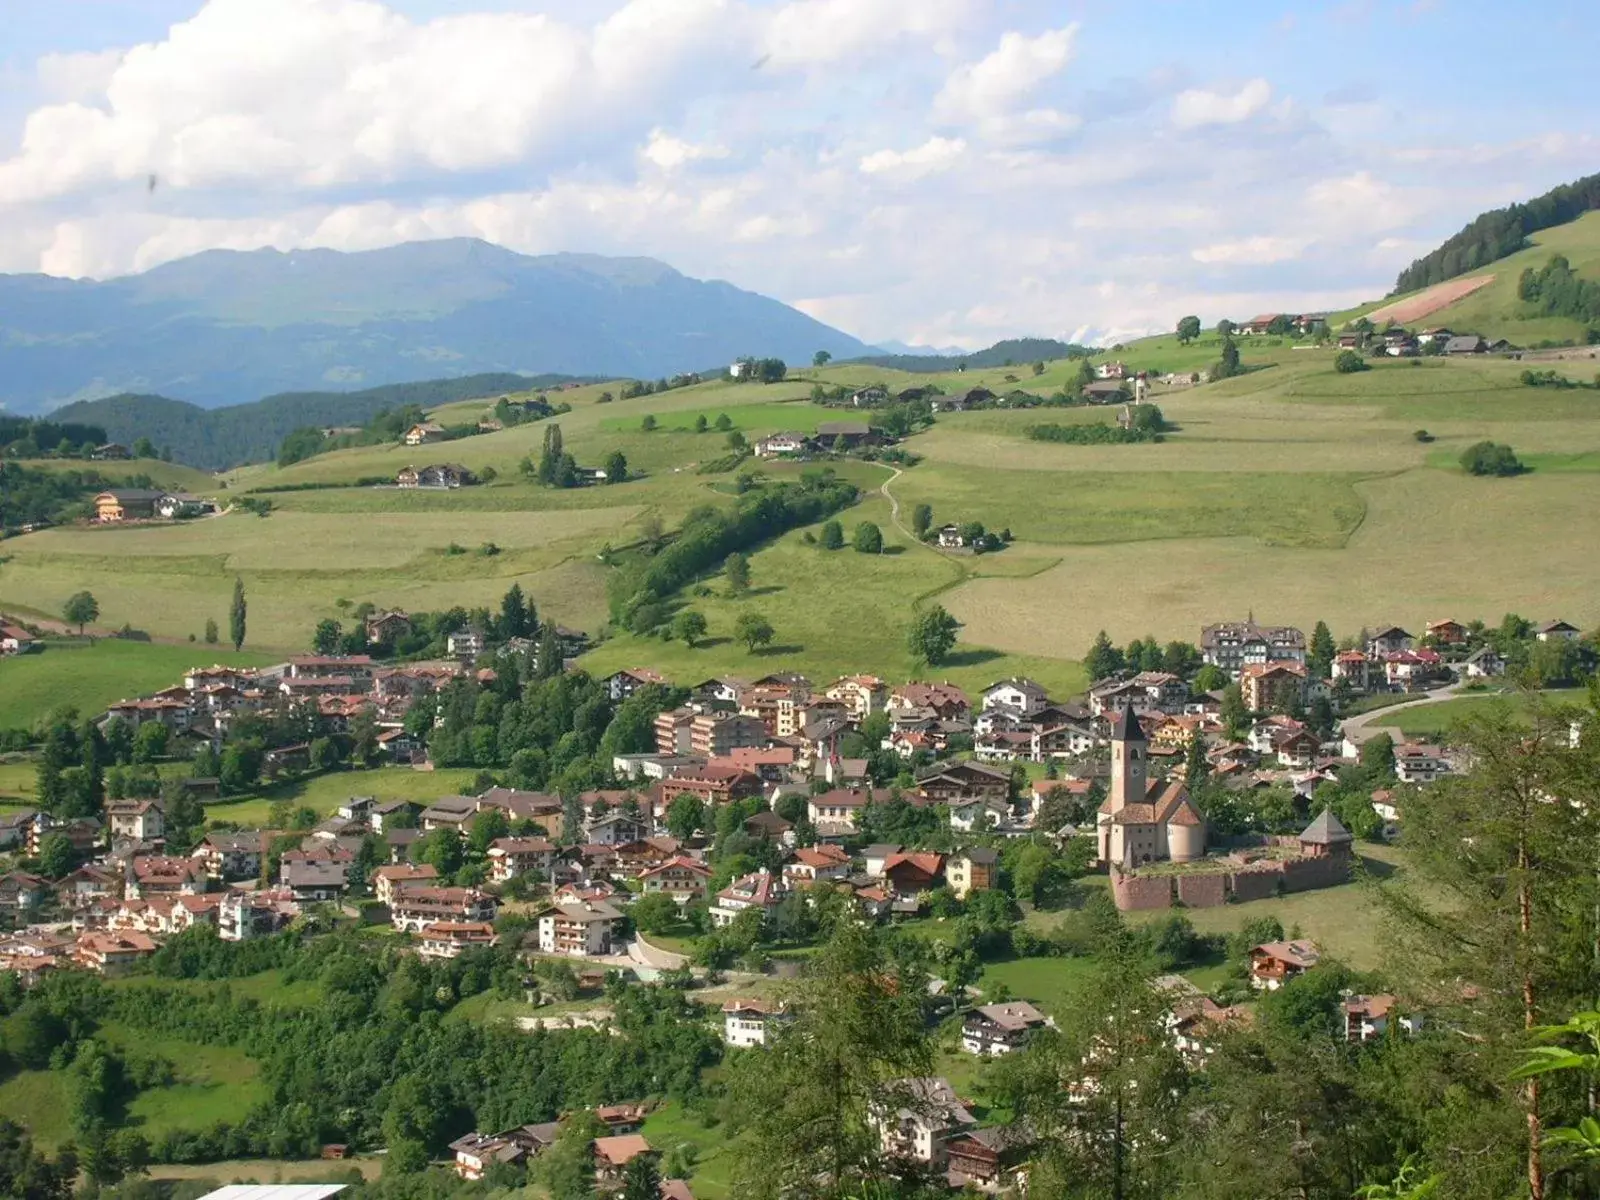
[223, 326]
[1019, 352]
[226, 437]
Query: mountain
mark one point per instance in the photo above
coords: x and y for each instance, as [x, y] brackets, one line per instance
[225, 437]
[225, 325]
[1501, 232]
[907, 349]
[1012, 352]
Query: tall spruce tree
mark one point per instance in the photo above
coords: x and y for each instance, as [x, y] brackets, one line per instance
[236, 613]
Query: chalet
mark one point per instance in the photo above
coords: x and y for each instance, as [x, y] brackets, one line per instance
[135, 820]
[424, 433]
[413, 908]
[314, 881]
[454, 812]
[111, 452]
[1415, 762]
[1351, 665]
[622, 684]
[976, 814]
[14, 639]
[1485, 663]
[752, 1022]
[767, 825]
[924, 1117]
[870, 396]
[448, 939]
[997, 1029]
[971, 870]
[1557, 631]
[986, 1157]
[1369, 1017]
[152, 875]
[226, 856]
[913, 873]
[1388, 641]
[862, 695]
[112, 954]
[389, 881]
[944, 700]
[86, 885]
[758, 890]
[1410, 667]
[613, 1154]
[477, 1152]
[125, 504]
[1273, 964]
[1446, 633]
[577, 928]
[949, 782]
[1467, 343]
[19, 890]
[811, 863]
[175, 506]
[682, 878]
[775, 444]
[1022, 696]
[962, 401]
[1257, 326]
[511, 857]
[1105, 391]
[846, 434]
[386, 628]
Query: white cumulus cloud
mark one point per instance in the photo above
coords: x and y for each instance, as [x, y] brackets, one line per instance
[1251, 251]
[669, 153]
[1197, 106]
[935, 154]
[1005, 79]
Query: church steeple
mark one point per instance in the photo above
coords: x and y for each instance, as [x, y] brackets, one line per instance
[1129, 761]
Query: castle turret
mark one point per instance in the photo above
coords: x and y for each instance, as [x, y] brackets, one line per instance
[1130, 762]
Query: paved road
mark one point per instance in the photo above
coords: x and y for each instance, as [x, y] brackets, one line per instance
[1368, 725]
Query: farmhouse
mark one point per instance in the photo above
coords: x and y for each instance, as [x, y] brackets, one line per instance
[848, 434]
[1469, 343]
[15, 640]
[997, 1029]
[125, 504]
[775, 444]
[1273, 964]
[424, 433]
[752, 1022]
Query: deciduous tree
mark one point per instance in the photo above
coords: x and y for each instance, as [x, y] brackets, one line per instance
[81, 609]
[932, 635]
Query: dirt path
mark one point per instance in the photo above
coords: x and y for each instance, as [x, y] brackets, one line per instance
[1368, 725]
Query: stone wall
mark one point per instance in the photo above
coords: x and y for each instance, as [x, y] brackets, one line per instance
[1134, 892]
[1304, 874]
[1203, 891]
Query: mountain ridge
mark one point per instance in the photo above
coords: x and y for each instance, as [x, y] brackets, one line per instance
[223, 326]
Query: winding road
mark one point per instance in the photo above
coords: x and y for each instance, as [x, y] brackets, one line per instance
[1368, 725]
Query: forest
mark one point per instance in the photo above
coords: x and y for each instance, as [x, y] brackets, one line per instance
[29, 495]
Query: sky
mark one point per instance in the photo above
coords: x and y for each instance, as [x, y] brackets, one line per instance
[932, 172]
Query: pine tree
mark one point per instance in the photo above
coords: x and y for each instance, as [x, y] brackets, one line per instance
[1322, 651]
[236, 613]
[1103, 658]
[550, 456]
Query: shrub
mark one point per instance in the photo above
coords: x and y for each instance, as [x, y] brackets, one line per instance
[1349, 362]
[1422, 435]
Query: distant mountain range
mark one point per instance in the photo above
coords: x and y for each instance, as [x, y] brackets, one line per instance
[1009, 353]
[224, 327]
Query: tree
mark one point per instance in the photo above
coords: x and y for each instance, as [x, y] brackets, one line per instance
[641, 1180]
[150, 742]
[700, 423]
[1490, 458]
[736, 440]
[1322, 651]
[686, 816]
[517, 618]
[1349, 362]
[1234, 713]
[550, 454]
[1210, 678]
[81, 609]
[805, 1104]
[1103, 659]
[1038, 369]
[236, 614]
[211, 632]
[868, 539]
[832, 537]
[55, 856]
[932, 635]
[654, 912]
[821, 358]
[921, 520]
[144, 448]
[1377, 755]
[724, 423]
[616, 467]
[736, 569]
[1188, 329]
[689, 627]
[327, 637]
[753, 630]
[1227, 366]
[567, 1168]
[1225, 328]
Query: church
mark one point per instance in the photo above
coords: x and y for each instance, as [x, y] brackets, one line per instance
[1142, 821]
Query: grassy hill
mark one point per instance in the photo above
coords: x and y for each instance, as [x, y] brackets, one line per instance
[1290, 491]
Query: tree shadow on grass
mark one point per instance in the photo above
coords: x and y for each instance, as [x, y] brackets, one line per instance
[778, 651]
[771, 589]
[892, 550]
[1376, 867]
[710, 643]
[973, 656]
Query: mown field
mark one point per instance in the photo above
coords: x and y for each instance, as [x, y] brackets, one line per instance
[1433, 720]
[90, 676]
[1292, 492]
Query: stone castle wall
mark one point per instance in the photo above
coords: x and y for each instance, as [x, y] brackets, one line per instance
[1133, 891]
[1203, 891]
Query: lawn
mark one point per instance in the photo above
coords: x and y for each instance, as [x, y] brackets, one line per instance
[91, 676]
[1048, 982]
[16, 780]
[324, 793]
[1431, 720]
[669, 1126]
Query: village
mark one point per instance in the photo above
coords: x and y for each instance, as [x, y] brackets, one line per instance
[1111, 781]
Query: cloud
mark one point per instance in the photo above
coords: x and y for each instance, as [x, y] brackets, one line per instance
[77, 77]
[999, 83]
[812, 32]
[669, 153]
[1251, 251]
[1197, 107]
[935, 154]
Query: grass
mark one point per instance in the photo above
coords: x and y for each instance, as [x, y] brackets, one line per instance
[1436, 719]
[269, 1170]
[37, 1100]
[800, 416]
[269, 988]
[324, 793]
[89, 677]
[1048, 982]
[669, 1126]
[16, 781]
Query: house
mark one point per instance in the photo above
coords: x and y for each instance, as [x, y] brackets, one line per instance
[511, 857]
[422, 434]
[19, 890]
[1392, 640]
[1273, 964]
[1021, 696]
[112, 954]
[413, 908]
[997, 1029]
[944, 701]
[615, 828]
[1415, 762]
[465, 644]
[767, 825]
[1557, 631]
[758, 890]
[388, 882]
[810, 863]
[1369, 1017]
[229, 855]
[862, 695]
[314, 881]
[1111, 370]
[1272, 685]
[911, 873]
[577, 928]
[386, 628]
[622, 684]
[877, 855]
[135, 820]
[775, 444]
[950, 537]
[613, 1154]
[1485, 663]
[682, 878]
[838, 809]
[14, 639]
[752, 1022]
[1410, 667]
[924, 1115]
[950, 782]
[975, 814]
[1105, 391]
[1257, 326]
[1446, 632]
[111, 452]
[175, 506]
[448, 939]
[86, 885]
[1144, 820]
[1234, 645]
[1351, 665]
[477, 1152]
[1469, 343]
[971, 870]
[986, 1156]
[848, 434]
[125, 504]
